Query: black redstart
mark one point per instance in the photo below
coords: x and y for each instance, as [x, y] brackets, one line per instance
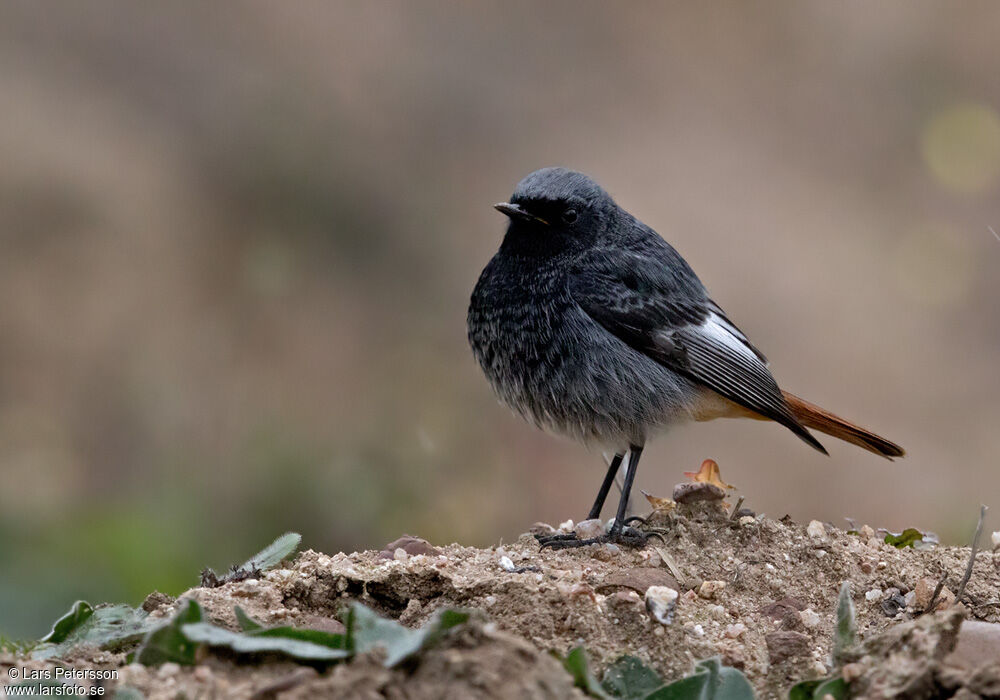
[589, 324]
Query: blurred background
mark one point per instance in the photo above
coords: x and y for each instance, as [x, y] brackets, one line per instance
[237, 245]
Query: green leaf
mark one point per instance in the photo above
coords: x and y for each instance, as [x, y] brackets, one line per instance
[805, 690]
[168, 643]
[65, 625]
[277, 641]
[271, 556]
[694, 687]
[327, 639]
[367, 630]
[710, 681]
[246, 623]
[109, 627]
[833, 686]
[576, 663]
[818, 689]
[630, 679]
[907, 538]
[845, 633]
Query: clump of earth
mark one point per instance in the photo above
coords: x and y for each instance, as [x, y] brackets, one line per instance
[759, 593]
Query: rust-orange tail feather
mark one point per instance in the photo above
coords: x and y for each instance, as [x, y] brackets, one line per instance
[812, 416]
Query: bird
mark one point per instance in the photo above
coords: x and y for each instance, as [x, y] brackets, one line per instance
[590, 325]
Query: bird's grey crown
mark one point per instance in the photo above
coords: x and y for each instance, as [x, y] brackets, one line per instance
[559, 184]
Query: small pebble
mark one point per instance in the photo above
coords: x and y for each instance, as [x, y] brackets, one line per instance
[491, 600]
[815, 529]
[588, 529]
[786, 644]
[542, 529]
[400, 554]
[202, 674]
[873, 595]
[694, 492]
[851, 672]
[924, 591]
[867, 532]
[698, 630]
[625, 605]
[747, 520]
[995, 539]
[719, 613]
[168, 669]
[810, 618]
[710, 589]
[566, 526]
[735, 631]
[910, 598]
[660, 602]
[506, 564]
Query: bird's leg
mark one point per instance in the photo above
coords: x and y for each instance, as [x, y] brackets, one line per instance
[619, 534]
[595, 511]
[609, 478]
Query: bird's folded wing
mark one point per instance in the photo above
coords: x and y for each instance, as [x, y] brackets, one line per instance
[674, 322]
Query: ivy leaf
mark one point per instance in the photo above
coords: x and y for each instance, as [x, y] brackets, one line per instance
[907, 538]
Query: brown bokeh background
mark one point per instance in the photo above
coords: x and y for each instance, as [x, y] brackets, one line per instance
[237, 244]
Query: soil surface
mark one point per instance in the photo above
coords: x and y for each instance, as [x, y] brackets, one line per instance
[760, 593]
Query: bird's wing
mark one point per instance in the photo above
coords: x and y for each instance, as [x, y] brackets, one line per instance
[670, 318]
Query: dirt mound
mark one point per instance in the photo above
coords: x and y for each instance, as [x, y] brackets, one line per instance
[758, 592]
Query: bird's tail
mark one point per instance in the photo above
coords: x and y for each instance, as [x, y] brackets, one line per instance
[812, 416]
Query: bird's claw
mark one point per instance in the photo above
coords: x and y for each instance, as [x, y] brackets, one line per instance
[625, 537]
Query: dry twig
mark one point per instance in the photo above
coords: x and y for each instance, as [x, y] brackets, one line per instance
[972, 554]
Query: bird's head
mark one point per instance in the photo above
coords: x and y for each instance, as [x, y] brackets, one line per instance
[555, 210]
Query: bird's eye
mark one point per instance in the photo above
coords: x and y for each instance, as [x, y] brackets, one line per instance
[569, 216]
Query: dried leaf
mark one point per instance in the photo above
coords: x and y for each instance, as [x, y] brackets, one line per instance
[709, 474]
[660, 505]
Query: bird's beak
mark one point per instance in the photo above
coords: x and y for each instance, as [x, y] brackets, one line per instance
[515, 211]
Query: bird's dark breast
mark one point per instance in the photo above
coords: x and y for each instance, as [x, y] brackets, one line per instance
[558, 368]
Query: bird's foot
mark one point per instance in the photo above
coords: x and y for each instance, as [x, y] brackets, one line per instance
[625, 537]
